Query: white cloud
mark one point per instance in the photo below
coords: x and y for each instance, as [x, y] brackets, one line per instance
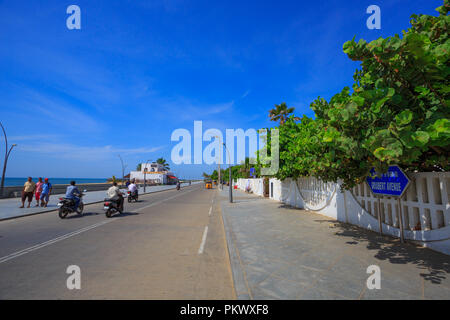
[35, 137]
[181, 109]
[245, 94]
[84, 153]
[50, 112]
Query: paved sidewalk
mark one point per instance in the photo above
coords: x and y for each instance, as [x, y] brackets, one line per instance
[9, 208]
[278, 252]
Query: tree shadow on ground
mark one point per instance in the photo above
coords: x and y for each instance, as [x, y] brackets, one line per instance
[435, 265]
[287, 206]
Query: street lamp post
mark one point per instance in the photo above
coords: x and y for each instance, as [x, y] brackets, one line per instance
[218, 164]
[220, 182]
[7, 153]
[229, 172]
[145, 174]
[123, 169]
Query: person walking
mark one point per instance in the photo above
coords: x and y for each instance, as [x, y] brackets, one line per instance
[247, 186]
[27, 192]
[37, 192]
[45, 193]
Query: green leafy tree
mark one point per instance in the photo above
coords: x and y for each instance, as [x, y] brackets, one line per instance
[215, 175]
[301, 148]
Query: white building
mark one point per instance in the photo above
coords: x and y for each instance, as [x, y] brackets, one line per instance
[153, 173]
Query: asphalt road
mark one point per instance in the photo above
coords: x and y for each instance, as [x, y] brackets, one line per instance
[170, 245]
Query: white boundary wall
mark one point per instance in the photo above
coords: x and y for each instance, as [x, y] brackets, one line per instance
[425, 205]
[256, 185]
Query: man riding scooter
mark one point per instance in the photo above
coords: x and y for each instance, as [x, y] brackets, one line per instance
[115, 195]
[133, 191]
[73, 193]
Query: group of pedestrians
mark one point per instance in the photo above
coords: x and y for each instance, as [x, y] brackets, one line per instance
[40, 190]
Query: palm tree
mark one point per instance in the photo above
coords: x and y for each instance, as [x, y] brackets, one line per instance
[139, 167]
[205, 175]
[164, 163]
[281, 113]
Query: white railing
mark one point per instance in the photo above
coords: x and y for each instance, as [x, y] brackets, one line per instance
[315, 193]
[425, 204]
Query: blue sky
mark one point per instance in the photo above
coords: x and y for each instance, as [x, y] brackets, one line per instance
[73, 100]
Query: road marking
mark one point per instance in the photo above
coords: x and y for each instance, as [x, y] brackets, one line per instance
[49, 242]
[202, 245]
[210, 211]
[76, 232]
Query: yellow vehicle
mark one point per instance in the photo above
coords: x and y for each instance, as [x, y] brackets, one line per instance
[208, 184]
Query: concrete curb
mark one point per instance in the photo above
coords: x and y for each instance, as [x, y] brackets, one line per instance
[53, 209]
[225, 240]
[241, 288]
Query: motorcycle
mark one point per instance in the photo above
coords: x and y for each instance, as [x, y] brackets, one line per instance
[67, 206]
[132, 196]
[178, 186]
[111, 206]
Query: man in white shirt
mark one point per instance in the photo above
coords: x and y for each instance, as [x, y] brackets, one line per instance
[133, 188]
[115, 194]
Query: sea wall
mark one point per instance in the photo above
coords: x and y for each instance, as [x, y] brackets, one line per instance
[16, 191]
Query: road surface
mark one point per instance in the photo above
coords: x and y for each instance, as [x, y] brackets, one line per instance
[170, 245]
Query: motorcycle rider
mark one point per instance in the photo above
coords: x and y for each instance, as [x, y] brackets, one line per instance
[178, 185]
[115, 194]
[73, 193]
[133, 188]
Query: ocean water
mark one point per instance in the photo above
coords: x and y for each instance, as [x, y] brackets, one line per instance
[21, 181]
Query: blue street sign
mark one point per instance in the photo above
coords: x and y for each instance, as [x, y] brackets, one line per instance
[392, 183]
[252, 172]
